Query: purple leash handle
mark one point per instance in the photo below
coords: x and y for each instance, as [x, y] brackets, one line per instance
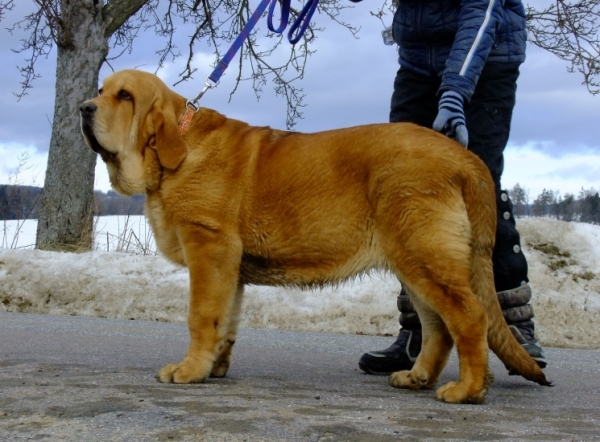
[300, 24]
[302, 21]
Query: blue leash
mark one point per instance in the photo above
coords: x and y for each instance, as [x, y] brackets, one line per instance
[295, 33]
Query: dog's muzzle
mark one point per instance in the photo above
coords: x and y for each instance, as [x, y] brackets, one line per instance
[87, 111]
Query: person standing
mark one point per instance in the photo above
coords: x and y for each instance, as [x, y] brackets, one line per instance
[459, 64]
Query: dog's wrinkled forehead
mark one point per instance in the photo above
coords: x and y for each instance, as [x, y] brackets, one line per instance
[129, 85]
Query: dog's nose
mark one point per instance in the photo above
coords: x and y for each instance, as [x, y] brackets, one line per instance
[87, 109]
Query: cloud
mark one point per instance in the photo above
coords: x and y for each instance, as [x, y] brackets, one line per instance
[27, 121]
[536, 169]
[553, 107]
[21, 165]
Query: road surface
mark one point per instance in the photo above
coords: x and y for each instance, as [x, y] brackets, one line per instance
[92, 379]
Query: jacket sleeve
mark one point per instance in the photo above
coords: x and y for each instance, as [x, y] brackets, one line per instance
[477, 24]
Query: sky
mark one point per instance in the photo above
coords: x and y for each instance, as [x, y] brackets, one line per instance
[555, 135]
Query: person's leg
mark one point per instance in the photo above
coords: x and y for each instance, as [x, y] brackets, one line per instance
[414, 100]
[403, 352]
[488, 117]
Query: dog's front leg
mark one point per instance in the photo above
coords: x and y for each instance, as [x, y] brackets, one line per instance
[221, 364]
[213, 262]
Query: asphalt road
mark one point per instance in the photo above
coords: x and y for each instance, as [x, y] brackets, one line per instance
[91, 379]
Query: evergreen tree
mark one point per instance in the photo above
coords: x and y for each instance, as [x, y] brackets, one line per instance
[590, 211]
[541, 205]
[520, 199]
[568, 208]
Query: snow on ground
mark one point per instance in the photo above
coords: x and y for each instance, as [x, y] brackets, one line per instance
[564, 260]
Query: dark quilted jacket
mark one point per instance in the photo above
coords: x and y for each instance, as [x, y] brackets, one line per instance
[453, 39]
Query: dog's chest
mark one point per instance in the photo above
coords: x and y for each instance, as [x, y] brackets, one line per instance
[166, 239]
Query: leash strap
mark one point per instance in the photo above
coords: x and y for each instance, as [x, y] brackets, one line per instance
[285, 16]
[300, 24]
[298, 28]
[215, 76]
[302, 21]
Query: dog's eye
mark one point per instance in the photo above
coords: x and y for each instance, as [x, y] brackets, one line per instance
[124, 95]
[99, 91]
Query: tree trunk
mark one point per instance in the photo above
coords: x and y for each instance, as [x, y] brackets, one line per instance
[66, 213]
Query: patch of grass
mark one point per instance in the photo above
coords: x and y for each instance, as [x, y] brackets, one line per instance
[558, 264]
[550, 249]
[555, 255]
[129, 241]
[586, 276]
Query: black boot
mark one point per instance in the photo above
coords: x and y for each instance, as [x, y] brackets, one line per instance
[518, 314]
[524, 332]
[402, 354]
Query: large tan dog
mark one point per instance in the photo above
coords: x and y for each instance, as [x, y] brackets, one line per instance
[240, 205]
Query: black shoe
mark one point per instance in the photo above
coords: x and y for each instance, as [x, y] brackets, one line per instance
[401, 355]
[525, 335]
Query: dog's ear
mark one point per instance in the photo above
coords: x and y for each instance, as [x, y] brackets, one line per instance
[168, 143]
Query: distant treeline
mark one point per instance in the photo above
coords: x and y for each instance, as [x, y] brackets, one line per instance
[111, 203]
[19, 202]
[585, 207]
[22, 202]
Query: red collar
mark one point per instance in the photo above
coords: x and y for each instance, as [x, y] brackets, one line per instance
[187, 117]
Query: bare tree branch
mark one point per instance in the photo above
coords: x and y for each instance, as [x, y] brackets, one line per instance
[569, 30]
[117, 12]
[219, 22]
[38, 44]
[6, 6]
[214, 22]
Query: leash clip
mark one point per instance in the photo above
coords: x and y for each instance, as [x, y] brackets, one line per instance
[208, 84]
[191, 106]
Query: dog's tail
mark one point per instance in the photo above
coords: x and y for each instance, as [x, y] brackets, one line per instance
[480, 200]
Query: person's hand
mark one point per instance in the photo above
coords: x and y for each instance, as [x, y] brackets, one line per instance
[450, 119]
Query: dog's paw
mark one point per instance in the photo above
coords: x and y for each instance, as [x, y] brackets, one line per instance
[186, 372]
[459, 393]
[219, 369]
[221, 365]
[409, 379]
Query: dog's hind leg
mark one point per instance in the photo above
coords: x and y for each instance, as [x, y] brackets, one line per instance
[435, 350]
[467, 325]
[461, 319]
[221, 364]
[428, 245]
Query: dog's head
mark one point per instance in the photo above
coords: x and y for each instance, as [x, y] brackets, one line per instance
[133, 125]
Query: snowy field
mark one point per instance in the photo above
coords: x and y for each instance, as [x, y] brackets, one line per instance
[564, 260]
